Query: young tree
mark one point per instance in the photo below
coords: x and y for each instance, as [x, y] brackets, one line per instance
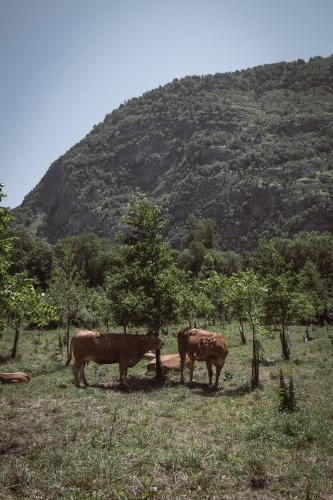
[311, 282]
[25, 304]
[67, 292]
[215, 289]
[187, 304]
[279, 306]
[220, 291]
[145, 292]
[245, 296]
[95, 311]
[194, 305]
[281, 284]
[19, 300]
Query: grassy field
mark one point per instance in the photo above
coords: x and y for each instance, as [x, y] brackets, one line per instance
[57, 441]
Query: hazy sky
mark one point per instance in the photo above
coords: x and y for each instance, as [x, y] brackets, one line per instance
[65, 64]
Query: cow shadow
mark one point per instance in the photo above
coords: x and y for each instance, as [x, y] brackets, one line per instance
[135, 384]
[146, 385]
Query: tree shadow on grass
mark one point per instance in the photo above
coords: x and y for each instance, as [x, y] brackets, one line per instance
[203, 389]
[5, 359]
[241, 390]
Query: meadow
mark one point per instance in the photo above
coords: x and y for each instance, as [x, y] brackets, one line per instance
[168, 441]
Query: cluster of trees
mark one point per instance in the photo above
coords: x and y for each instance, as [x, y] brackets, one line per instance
[20, 300]
[143, 282]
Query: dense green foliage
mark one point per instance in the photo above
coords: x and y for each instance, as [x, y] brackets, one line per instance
[19, 300]
[250, 150]
[31, 255]
[144, 291]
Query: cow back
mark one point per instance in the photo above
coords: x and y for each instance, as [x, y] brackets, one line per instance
[110, 347]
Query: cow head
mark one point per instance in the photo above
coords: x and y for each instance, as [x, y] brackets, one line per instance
[155, 343]
[205, 347]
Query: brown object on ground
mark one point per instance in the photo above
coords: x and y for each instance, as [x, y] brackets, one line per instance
[168, 362]
[108, 348]
[13, 378]
[149, 356]
[205, 346]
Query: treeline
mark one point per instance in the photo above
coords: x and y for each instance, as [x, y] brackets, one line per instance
[303, 263]
[309, 256]
[141, 282]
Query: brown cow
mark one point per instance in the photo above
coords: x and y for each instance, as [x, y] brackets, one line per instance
[169, 362]
[202, 346]
[12, 378]
[108, 348]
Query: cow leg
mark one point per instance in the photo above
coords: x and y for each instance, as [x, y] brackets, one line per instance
[210, 372]
[125, 375]
[218, 371]
[123, 372]
[191, 368]
[82, 374]
[76, 375]
[182, 365]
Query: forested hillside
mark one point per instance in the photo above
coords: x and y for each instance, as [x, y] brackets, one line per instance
[251, 150]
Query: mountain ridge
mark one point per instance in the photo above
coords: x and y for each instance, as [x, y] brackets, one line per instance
[250, 149]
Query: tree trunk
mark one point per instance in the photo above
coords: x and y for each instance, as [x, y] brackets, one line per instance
[16, 339]
[67, 336]
[159, 374]
[284, 342]
[241, 331]
[255, 360]
[125, 329]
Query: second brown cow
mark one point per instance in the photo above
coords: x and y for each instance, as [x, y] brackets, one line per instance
[205, 346]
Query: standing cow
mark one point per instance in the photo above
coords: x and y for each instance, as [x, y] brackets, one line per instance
[205, 346]
[108, 348]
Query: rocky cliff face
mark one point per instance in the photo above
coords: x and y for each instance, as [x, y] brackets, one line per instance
[251, 149]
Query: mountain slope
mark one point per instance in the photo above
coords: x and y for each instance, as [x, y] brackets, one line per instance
[250, 149]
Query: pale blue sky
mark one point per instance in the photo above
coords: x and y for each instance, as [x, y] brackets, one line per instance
[65, 64]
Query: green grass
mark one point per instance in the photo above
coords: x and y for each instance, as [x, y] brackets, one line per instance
[57, 441]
